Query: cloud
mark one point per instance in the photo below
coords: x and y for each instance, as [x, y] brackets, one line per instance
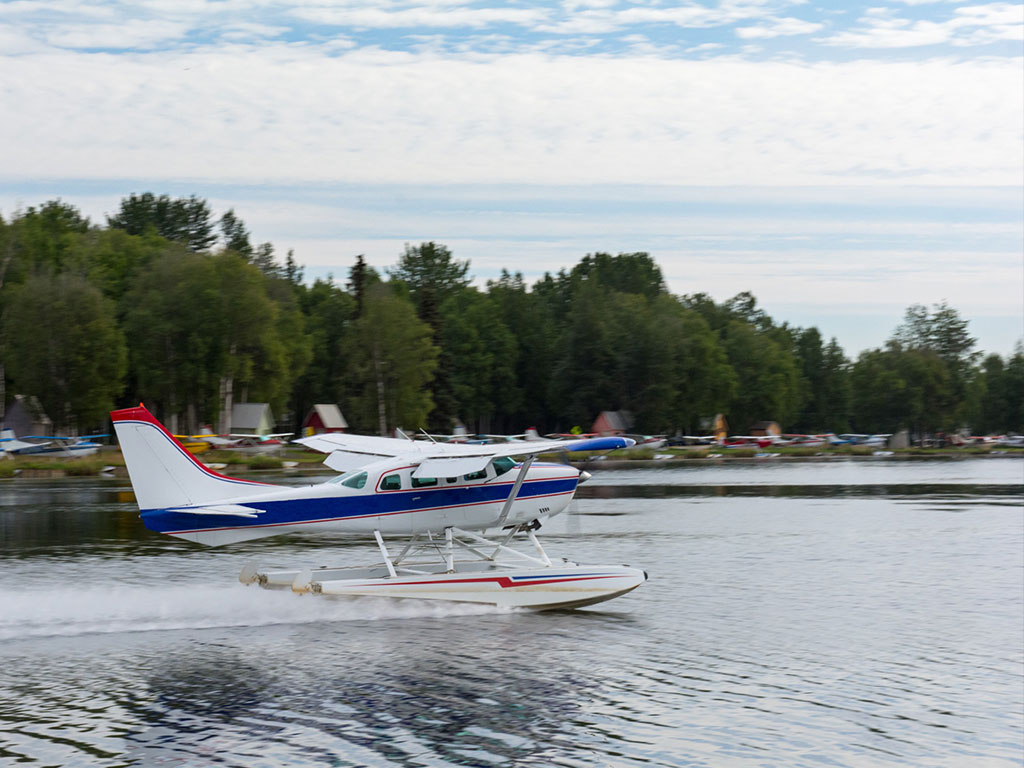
[290, 113]
[968, 26]
[380, 18]
[778, 28]
[50, 8]
[247, 31]
[130, 35]
[602, 20]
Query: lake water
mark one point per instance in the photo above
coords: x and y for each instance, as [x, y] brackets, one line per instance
[853, 613]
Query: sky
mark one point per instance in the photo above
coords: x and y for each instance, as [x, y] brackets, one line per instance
[840, 160]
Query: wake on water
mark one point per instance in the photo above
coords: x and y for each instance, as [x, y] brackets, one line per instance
[97, 610]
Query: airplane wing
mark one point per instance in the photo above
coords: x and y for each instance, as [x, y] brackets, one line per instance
[13, 444]
[349, 452]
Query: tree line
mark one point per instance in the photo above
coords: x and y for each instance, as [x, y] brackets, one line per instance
[167, 304]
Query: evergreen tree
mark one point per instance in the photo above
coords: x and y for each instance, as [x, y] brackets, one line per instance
[393, 359]
[329, 315]
[529, 318]
[236, 236]
[483, 355]
[1013, 388]
[432, 275]
[185, 220]
[357, 282]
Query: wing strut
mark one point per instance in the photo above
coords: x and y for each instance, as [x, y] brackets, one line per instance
[384, 552]
[515, 490]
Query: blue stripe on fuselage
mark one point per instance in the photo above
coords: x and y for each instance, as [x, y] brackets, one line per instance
[295, 511]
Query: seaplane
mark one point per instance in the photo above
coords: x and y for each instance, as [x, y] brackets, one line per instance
[438, 499]
[52, 447]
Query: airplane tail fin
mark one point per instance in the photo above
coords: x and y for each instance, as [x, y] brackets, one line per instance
[162, 472]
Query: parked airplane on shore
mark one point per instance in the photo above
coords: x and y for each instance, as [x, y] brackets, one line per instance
[53, 447]
[440, 497]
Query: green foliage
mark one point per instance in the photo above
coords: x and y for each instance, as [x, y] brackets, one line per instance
[899, 388]
[432, 275]
[584, 379]
[824, 384]
[260, 461]
[769, 381]
[185, 220]
[236, 236]
[329, 314]
[392, 358]
[483, 355]
[706, 381]
[198, 323]
[628, 273]
[171, 321]
[944, 333]
[39, 240]
[999, 395]
[529, 318]
[111, 258]
[62, 344]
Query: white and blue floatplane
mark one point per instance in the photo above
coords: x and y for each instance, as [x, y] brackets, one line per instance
[439, 499]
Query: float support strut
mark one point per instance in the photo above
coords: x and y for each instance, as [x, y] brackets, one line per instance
[384, 552]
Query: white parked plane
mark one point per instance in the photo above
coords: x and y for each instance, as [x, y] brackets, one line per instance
[439, 497]
[54, 447]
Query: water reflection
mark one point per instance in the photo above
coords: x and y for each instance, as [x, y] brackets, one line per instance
[397, 693]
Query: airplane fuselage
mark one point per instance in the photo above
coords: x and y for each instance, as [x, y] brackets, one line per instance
[388, 500]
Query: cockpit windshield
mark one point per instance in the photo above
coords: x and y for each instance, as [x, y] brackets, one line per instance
[502, 464]
[350, 479]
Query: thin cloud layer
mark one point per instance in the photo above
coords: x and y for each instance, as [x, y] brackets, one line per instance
[286, 114]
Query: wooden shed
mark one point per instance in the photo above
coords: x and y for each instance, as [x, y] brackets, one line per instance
[324, 417]
[613, 423]
[251, 419]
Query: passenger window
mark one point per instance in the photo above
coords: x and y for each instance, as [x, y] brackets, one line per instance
[391, 483]
[356, 481]
[476, 475]
[502, 464]
[451, 479]
[423, 482]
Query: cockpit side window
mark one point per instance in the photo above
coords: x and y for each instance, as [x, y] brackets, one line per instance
[476, 475]
[423, 482]
[391, 483]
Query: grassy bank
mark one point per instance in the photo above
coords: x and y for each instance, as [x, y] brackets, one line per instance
[33, 466]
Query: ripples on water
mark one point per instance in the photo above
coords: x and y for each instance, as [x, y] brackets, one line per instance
[783, 625]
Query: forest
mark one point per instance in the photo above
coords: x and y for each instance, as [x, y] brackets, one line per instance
[168, 304]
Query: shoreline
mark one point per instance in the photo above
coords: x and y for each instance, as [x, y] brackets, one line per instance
[113, 467]
[772, 458]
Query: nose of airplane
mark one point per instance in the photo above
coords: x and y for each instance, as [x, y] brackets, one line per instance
[584, 476]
